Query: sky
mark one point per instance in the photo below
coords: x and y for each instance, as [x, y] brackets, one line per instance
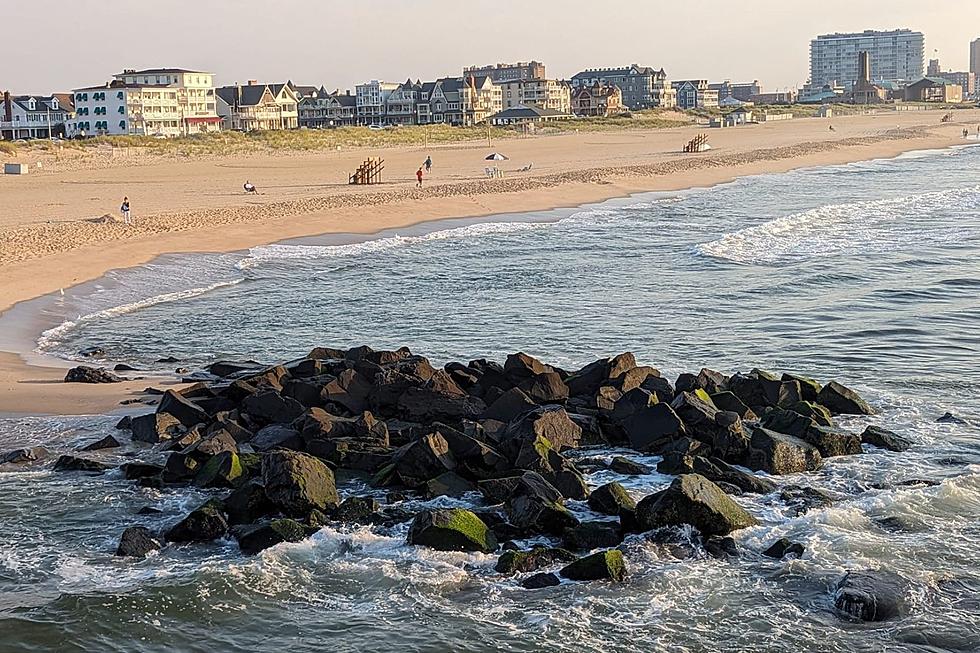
[338, 43]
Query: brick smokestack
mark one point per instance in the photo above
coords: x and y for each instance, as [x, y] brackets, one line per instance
[864, 66]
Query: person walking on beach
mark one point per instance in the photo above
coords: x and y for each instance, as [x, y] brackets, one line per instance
[124, 209]
[418, 175]
[428, 164]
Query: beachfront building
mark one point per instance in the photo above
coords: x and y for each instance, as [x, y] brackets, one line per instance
[507, 72]
[933, 89]
[400, 104]
[695, 94]
[256, 106]
[896, 56]
[642, 87]
[545, 93]
[166, 102]
[965, 80]
[440, 102]
[775, 97]
[527, 116]
[372, 99]
[599, 100]
[317, 108]
[742, 91]
[864, 90]
[34, 116]
[480, 98]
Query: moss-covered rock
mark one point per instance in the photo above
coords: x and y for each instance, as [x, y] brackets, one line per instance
[451, 529]
[258, 537]
[611, 499]
[693, 499]
[519, 562]
[297, 483]
[809, 389]
[814, 411]
[223, 470]
[604, 565]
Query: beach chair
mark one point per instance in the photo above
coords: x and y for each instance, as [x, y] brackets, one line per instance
[490, 172]
[527, 168]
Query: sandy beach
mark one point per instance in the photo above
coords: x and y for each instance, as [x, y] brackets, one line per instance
[51, 238]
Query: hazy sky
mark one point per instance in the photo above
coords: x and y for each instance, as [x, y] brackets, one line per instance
[72, 43]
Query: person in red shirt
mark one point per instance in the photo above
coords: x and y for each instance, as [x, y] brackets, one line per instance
[418, 175]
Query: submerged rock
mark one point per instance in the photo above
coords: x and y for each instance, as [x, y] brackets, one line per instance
[519, 562]
[258, 537]
[451, 529]
[783, 547]
[604, 565]
[69, 463]
[627, 467]
[137, 542]
[25, 455]
[108, 442]
[539, 581]
[204, 524]
[872, 595]
[884, 439]
[611, 499]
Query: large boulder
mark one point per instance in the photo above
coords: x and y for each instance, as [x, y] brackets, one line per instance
[648, 428]
[204, 524]
[872, 595]
[277, 436]
[270, 407]
[509, 406]
[439, 399]
[521, 366]
[248, 504]
[349, 390]
[298, 483]
[108, 442]
[809, 389]
[85, 374]
[842, 400]
[693, 499]
[545, 388]
[832, 442]
[703, 421]
[422, 460]
[255, 538]
[70, 463]
[137, 542]
[611, 499]
[549, 422]
[604, 565]
[588, 380]
[884, 439]
[156, 427]
[592, 535]
[778, 453]
[451, 529]
[222, 470]
[535, 506]
[186, 411]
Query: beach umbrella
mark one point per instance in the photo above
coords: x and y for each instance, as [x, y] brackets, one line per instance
[496, 156]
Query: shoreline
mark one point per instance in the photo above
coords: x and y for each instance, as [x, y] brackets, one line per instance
[33, 279]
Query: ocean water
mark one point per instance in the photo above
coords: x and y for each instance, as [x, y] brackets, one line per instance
[868, 273]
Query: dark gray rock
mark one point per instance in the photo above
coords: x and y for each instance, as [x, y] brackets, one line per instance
[84, 374]
[693, 499]
[277, 436]
[108, 442]
[186, 411]
[802, 499]
[540, 581]
[69, 463]
[522, 562]
[298, 483]
[611, 499]
[872, 595]
[25, 455]
[783, 547]
[256, 538]
[509, 406]
[137, 542]
[884, 439]
[628, 467]
[604, 565]
[842, 400]
[592, 535]
[451, 529]
[156, 427]
[270, 407]
[778, 453]
[204, 524]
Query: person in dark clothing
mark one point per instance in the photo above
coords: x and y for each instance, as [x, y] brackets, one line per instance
[418, 175]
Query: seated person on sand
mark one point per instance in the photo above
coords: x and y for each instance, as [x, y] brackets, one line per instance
[249, 187]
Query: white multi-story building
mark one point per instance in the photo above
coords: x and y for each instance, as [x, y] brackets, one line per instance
[542, 93]
[897, 56]
[372, 98]
[155, 102]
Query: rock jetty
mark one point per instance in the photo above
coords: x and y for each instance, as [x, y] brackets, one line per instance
[271, 441]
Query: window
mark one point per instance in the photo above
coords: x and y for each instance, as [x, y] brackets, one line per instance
[122, 109]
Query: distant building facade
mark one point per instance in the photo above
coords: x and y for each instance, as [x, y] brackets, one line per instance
[864, 90]
[256, 106]
[776, 97]
[34, 116]
[642, 87]
[372, 100]
[933, 69]
[896, 56]
[400, 105]
[695, 94]
[743, 92]
[965, 80]
[975, 57]
[598, 100]
[508, 72]
[153, 102]
[544, 93]
[933, 89]
[522, 115]
[480, 98]
[321, 108]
